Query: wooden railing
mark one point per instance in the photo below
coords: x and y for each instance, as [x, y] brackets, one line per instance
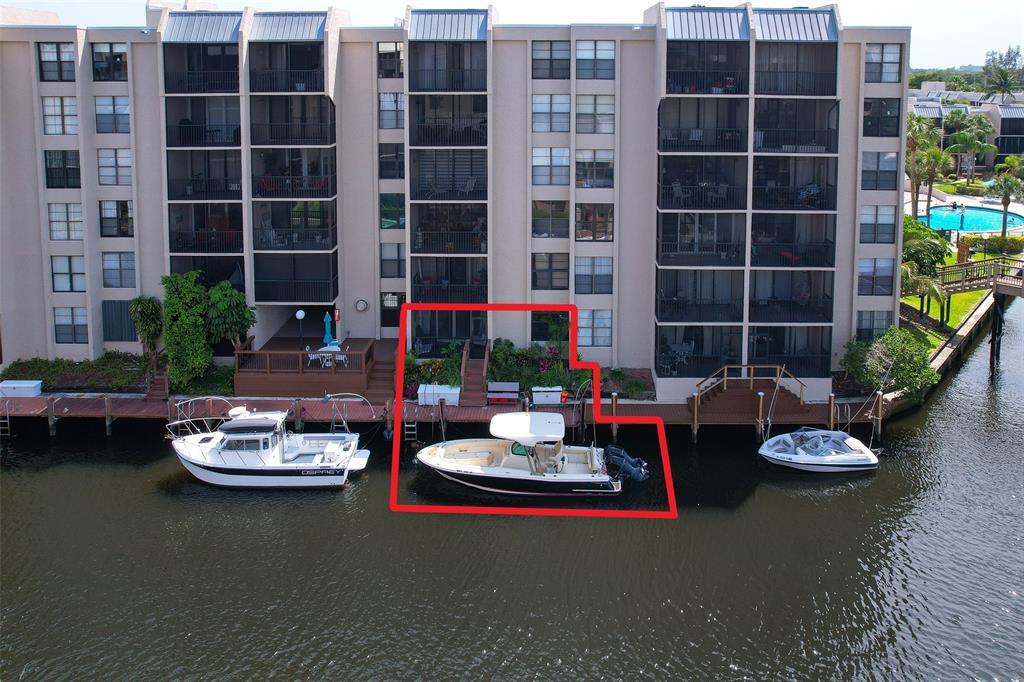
[981, 274]
[304, 362]
[745, 373]
[465, 359]
[487, 358]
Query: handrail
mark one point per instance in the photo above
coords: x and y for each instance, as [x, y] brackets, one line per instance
[465, 360]
[487, 358]
[712, 380]
[302, 361]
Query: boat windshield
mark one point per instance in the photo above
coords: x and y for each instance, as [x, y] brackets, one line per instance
[520, 449]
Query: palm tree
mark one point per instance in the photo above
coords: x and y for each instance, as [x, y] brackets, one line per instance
[935, 163]
[1001, 82]
[956, 83]
[1011, 165]
[921, 134]
[913, 283]
[971, 144]
[1007, 187]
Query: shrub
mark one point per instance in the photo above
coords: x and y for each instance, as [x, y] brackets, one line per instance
[189, 355]
[148, 315]
[228, 316]
[633, 389]
[895, 361]
[112, 371]
[970, 190]
[996, 244]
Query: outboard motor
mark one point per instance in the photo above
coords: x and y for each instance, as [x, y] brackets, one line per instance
[632, 467]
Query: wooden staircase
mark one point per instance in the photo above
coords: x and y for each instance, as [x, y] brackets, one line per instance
[723, 405]
[380, 384]
[157, 387]
[474, 378]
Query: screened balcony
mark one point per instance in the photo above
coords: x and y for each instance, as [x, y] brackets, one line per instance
[295, 277]
[699, 296]
[433, 330]
[200, 68]
[791, 296]
[804, 351]
[448, 175]
[796, 126]
[212, 269]
[291, 120]
[797, 68]
[449, 280]
[286, 67]
[295, 173]
[701, 239]
[448, 120]
[793, 240]
[790, 183]
[205, 228]
[707, 67]
[203, 122]
[214, 175]
[696, 351]
[449, 228]
[709, 182]
[438, 66]
[702, 125]
[294, 225]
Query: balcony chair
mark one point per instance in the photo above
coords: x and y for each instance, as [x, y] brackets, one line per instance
[470, 186]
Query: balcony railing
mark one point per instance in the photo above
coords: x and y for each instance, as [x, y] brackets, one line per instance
[459, 131]
[449, 293]
[684, 364]
[316, 239]
[702, 140]
[699, 197]
[447, 189]
[294, 186]
[206, 241]
[706, 81]
[801, 365]
[810, 309]
[795, 141]
[286, 80]
[449, 241]
[292, 291]
[293, 133]
[176, 82]
[794, 254]
[447, 80]
[795, 83]
[57, 178]
[200, 189]
[807, 198]
[196, 135]
[699, 310]
[1010, 144]
[702, 253]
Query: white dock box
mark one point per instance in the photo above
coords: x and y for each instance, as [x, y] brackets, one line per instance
[432, 394]
[21, 388]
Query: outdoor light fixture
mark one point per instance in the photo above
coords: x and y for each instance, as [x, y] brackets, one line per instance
[300, 314]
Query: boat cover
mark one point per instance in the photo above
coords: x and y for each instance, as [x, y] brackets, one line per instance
[249, 425]
[528, 428]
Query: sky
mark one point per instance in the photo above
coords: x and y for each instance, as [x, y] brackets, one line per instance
[945, 32]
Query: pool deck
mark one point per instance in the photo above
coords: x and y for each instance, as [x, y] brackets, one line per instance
[1015, 207]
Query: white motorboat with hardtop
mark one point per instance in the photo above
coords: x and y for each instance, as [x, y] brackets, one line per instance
[252, 449]
[810, 449]
[527, 457]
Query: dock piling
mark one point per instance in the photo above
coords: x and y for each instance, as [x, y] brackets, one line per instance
[696, 419]
[107, 418]
[615, 411]
[759, 422]
[51, 415]
[831, 411]
[297, 409]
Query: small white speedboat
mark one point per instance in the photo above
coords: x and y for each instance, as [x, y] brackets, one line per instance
[527, 457]
[254, 450]
[819, 450]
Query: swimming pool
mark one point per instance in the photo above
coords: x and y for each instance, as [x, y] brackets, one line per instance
[976, 219]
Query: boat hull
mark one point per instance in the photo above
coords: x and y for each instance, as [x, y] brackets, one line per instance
[266, 477]
[537, 487]
[819, 467]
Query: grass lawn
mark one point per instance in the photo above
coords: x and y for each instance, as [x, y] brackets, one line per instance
[930, 337]
[961, 305]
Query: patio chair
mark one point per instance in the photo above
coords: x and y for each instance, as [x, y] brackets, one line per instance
[470, 186]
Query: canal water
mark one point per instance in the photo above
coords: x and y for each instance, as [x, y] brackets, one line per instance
[115, 564]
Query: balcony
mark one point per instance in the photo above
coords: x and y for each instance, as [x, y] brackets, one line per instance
[449, 280]
[449, 293]
[791, 296]
[699, 296]
[696, 351]
[804, 351]
[794, 183]
[292, 291]
[1009, 144]
[205, 241]
[809, 197]
[706, 82]
[796, 126]
[294, 225]
[819, 83]
[294, 173]
[702, 197]
[448, 175]
[795, 68]
[203, 189]
[294, 133]
[459, 131]
[212, 269]
[701, 239]
[286, 67]
[797, 241]
[286, 80]
[449, 241]
[434, 330]
[295, 278]
[203, 121]
[455, 66]
[706, 67]
[709, 182]
[793, 141]
[205, 228]
[702, 140]
[320, 239]
[203, 135]
[294, 186]
[188, 82]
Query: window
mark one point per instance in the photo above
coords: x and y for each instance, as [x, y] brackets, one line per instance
[551, 59]
[110, 61]
[115, 166]
[593, 274]
[872, 323]
[878, 170]
[70, 325]
[65, 221]
[392, 260]
[883, 63]
[874, 276]
[391, 113]
[541, 325]
[595, 168]
[595, 59]
[67, 273]
[60, 116]
[119, 270]
[551, 219]
[390, 62]
[390, 308]
[882, 117]
[117, 321]
[595, 328]
[550, 166]
[594, 222]
[56, 61]
[392, 211]
[551, 271]
[392, 161]
[112, 115]
[551, 113]
[595, 113]
[62, 169]
[877, 224]
[116, 219]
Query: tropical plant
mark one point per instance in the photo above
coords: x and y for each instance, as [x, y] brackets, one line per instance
[926, 287]
[969, 144]
[921, 134]
[228, 316]
[1001, 82]
[1012, 165]
[934, 164]
[1011, 244]
[1007, 188]
[185, 336]
[148, 316]
[896, 361]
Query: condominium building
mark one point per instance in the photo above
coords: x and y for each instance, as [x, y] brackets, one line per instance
[710, 186]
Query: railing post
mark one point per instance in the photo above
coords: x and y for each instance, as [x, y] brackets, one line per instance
[759, 424]
[615, 410]
[831, 411]
[696, 420]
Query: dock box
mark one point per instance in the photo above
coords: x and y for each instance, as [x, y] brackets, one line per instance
[547, 395]
[21, 388]
[431, 394]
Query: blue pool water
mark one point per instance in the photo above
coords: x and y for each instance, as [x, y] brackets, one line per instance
[976, 219]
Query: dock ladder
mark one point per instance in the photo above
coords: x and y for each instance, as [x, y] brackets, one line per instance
[5, 421]
[410, 434]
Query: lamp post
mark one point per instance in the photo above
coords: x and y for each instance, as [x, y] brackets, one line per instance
[984, 239]
[299, 315]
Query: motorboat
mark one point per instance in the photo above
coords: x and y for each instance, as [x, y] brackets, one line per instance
[810, 449]
[527, 456]
[251, 449]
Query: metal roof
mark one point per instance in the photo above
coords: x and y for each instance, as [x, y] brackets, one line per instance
[812, 25]
[1011, 111]
[946, 108]
[448, 24]
[700, 23]
[288, 26]
[928, 110]
[202, 27]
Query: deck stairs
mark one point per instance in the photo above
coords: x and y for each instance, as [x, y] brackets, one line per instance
[474, 385]
[158, 387]
[721, 404]
[380, 384]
